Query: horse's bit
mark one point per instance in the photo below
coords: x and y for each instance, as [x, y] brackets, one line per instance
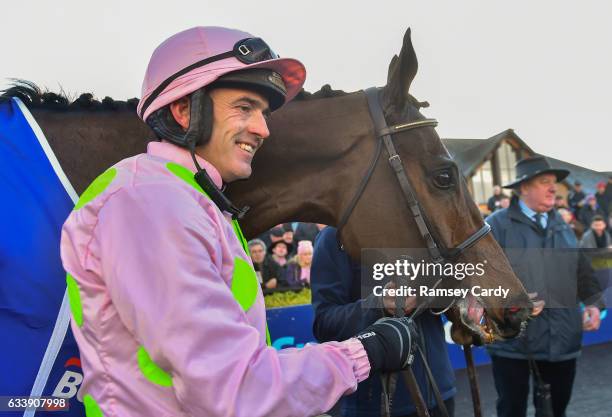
[437, 252]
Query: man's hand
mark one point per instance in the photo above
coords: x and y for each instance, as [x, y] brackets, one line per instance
[271, 283]
[389, 302]
[590, 319]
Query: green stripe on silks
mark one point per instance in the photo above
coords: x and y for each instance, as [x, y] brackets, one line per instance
[240, 236]
[151, 370]
[244, 283]
[92, 409]
[74, 297]
[268, 338]
[96, 188]
[186, 175]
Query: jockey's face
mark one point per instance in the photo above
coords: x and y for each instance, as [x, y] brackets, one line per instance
[239, 128]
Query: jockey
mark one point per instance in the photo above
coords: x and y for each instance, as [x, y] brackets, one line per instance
[166, 307]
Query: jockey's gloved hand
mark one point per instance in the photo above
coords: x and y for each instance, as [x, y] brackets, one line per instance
[390, 343]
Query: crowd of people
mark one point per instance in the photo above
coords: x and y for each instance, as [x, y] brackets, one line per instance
[588, 215]
[282, 256]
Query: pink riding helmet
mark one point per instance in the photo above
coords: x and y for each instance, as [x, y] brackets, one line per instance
[180, 62]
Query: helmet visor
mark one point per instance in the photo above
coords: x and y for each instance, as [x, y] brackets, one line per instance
[253, 50]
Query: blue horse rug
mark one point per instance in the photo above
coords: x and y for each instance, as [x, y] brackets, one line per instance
[38, 354]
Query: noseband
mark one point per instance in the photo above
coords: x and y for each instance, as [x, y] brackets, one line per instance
[385, 133]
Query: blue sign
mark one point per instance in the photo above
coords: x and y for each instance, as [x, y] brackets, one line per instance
[38, 355]
[292, 327]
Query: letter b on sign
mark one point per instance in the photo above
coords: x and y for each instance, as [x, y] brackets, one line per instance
[68, 385]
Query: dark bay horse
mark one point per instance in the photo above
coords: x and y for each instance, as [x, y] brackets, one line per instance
[309, 170]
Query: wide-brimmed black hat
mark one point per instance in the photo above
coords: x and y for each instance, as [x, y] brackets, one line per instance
[278, 242]
[529, 168]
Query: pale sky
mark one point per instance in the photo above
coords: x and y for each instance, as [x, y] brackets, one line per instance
[543, 68]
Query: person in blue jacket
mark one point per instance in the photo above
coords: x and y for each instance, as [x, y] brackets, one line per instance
[339, 313]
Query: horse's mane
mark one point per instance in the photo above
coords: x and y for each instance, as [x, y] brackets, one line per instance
[34, 97]
[325, 92]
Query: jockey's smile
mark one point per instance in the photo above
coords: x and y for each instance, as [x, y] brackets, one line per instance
[239, 128]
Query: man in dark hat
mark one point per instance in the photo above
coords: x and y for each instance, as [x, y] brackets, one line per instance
[542, 250]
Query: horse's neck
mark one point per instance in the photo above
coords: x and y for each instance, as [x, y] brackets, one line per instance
[309, 168]
[88, 142]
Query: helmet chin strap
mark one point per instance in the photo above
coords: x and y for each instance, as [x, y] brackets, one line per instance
[215, 194]
[201, 176]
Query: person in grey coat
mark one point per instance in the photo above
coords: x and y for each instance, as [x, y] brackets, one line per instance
[597, 237]
[542, 250]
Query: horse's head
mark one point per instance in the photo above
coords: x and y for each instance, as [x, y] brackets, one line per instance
[313, 164]
[382, 216]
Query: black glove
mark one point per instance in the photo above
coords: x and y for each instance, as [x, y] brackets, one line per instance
[390, 343]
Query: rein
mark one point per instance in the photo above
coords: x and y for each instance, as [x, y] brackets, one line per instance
[438, 254]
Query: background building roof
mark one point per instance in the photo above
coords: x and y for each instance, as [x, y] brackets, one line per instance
[470, 154]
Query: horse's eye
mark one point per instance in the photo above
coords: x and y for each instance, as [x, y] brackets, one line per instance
[443, 179]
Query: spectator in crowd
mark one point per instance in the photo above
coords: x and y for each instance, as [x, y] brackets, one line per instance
[560, 202]
[290, 233]
[597, 237]
[269, 273]
[305, 231]
[552, 340]
[602, 199]
[276, 233]
[271, 235]
[297, 273]
[608, 193]
[494, 202]
[279, 250]
[576, 200]
[569, 218]
[340, 310]
[590, 209]
[504, 202]
[289, 239]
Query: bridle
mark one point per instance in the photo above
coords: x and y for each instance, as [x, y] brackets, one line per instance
[438, 253]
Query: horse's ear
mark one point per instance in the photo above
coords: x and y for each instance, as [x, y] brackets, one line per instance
[402, 71]
[392, 68]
